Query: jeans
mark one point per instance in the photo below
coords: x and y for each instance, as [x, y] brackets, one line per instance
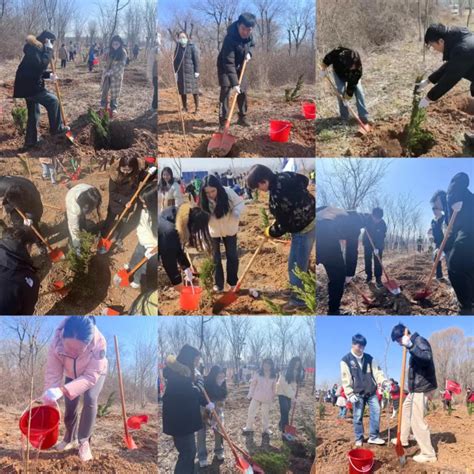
[302, 244]
[374, 419]
[63, 63]
[224, 108]
[51, 104]
[342, 412]
[186, 447]
[49, 172]
[368, 257]
[285, 407]
[232, 267]
[218, 440]
[360, 100]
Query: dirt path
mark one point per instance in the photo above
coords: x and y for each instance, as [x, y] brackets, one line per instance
[253, 141]
[452, 438]
[107, 447]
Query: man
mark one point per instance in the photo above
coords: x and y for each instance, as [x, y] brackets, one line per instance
[438, 235]
[29, 85]
[332, 226]
[421, 383]
[360, 375]
[377, 229]
[236, 48]
[347, 70]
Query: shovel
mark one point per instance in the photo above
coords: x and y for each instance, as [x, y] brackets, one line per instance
[398, 447]
[72, 177]
[105, 243]
[122, 279]
[221, 143]
[135, 422]
[230, 296]
[391, 285]
[57, 287]
[367, 301]
[129, 443]
[289, 432]
[241, 464]
[425, 292]
[55, 255]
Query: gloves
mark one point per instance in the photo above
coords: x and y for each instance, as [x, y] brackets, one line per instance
[152, 170]
[424, 103]
[266, 232]
[237, 89]
[53, 77]
[188, 275]
[422, 84]
[210, 406]
[248, 56]
[150, 253]
[196, 75]
[406, 342]
[353, 398]
[48, 44]
[27, 222]
[457, 206]
[348, 279]
[376, 251]
[435, 254]
[52, 395]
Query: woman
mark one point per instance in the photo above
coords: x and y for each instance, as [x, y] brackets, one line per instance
[112, 77]
[177, 228]
[169, 192]
[182, 403]
[76, 365]
[186, 68]
[224, 207]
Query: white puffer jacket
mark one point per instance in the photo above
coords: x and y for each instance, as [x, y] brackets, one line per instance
[227, 225]
[73, 212]
[145, 231]
[172, 194]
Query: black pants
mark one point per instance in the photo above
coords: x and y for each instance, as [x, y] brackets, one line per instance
[186, 447]
[368, 257]
[232, 267]
[184, 100]
[63, 63]
[91, 65]
[224, 108]
[154, 102]
[439, 269]
[285, 407]
[461, 274]
[108, 224]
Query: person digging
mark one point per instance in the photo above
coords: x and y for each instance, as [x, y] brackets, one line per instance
[377, 229]
[436, 231]
[456, 44]
[30, 85]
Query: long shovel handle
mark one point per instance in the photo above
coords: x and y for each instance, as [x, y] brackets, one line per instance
[58, 93]
[234, 99]
[122, 393]
[35, 230]
[402, 390]
[378, 256]
[140, 263]
[247, 268]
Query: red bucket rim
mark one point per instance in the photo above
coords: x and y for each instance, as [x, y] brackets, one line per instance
[189, 290]
[369, 456]
[23, 423]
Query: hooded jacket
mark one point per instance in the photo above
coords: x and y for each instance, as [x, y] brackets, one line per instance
[459, 62]
[339, 58]
[227, 225]
[85, 370]
[421, 368]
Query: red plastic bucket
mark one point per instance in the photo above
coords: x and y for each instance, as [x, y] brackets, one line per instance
[190, 297]
[309, 110]
[280, 130]
[361, 461]
[44, 428]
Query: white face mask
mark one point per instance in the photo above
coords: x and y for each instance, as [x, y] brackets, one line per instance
[183, 41]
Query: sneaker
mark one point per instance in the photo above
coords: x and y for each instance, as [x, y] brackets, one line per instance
[62, 130]
[204, 463]
[424, 458]
[377, 440]
[220, 457]
[379, 284]
[243, 122]
[217, 289]
[85, 453]
[358, 443]
[65, 446]
[268, 432]
[134, 285]
[394, 442]
[246, 430]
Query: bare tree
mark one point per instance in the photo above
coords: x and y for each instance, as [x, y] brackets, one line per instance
[299, 22]
[283, 334]
[236, 330]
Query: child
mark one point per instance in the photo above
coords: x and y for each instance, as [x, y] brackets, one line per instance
[261, 394]
[49, 169]
[341, 402]
[78, 353]
[225, 207]
[216, 388]
[294, 210]
[112, 76]
[169, 192]
[286, 388]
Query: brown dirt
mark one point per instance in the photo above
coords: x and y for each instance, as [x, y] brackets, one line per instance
[452, 438]
[411, 272]
[253, 141]
[110, 455]
[235, 414]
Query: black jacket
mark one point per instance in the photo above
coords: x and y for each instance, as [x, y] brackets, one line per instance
[363, 381]
[182, 400]
[186, 63]
[121, 189]
[342, 67]
[290, 203]
[437, 230]
[421, 369]
[216, 393]
[232, 55]
[19, 284]
[459, 57]
[377, 232]
[32, 71]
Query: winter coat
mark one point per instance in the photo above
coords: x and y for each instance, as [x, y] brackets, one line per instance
[459, 62]
[437, 230]
[74, 212]
[146, 233]
[421, 368]
[173, 193]
[227, 225]
[342, 69]
[122, 188]
[19, 283]
[181, 401]
[262, 389]
[63, 53]
[377, 232]
[32, 71]
[113, 72]
[284, 388]
[85, 370]
[186, 63]
[291, 204]
[232, 55]
[216, 393]
[341, 397]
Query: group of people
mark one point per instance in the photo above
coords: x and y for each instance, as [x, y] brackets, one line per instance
[212, 220]
[67, 54]
[191, 401]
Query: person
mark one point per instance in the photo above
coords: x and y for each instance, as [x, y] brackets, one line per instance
[237, 47]
[182, 403]
[419, 244]
[469, 399]
[347, 71]
[376, 228]
[216, 388]
[459, 250]
[135, 51]
[92, 57]
[177, 228]
[447, 399]
[76, 366]
[72, 51]
[186, 69]
[63, 55]
[112, 76]
[333, 394]
[169, 191]
[224, 207]
[293, 207]
[395, 395]
[19, 281]
[341, 402]
[438, 235]
[262, 391]
[30, 85]
[81, 200]
[421, 384]
[360, 374]
[287, 388]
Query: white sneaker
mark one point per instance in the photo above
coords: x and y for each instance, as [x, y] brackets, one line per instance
[268, 432]
[85, 453]
[423, 458]
[64, 446]
[358, 443]
[220, 457]
[376, 441]
[245, 430]
[135, 286]
[204, 463]
[217, 289]
[394, 442]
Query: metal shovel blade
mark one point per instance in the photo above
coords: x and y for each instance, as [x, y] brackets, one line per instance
[422, 295]
[56, 255]
[104, 245]
[225, 300]
[129, 443]
[124, 277]
[70, 136]
[59, 287]
[244, 466]
[365, 129]
[135, 422]
[392, 286]
[290, 430]
[400, 453]
[220, 144]
[76, 174]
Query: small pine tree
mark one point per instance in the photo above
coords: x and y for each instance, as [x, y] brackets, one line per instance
[293, 94]
[307, 293]
[273, 462]
[206, 276]
[78, 262]
[322, 411]
[100, 128]
[104, 409]
[470, 408]
[20, 117]
[265, 218]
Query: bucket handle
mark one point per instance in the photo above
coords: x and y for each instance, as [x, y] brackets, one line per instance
[363, 469]
[284, 128]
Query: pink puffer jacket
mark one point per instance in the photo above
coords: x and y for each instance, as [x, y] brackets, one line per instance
[85, 370]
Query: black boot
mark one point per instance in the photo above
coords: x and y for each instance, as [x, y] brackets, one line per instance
[378, 283]
[243, 122]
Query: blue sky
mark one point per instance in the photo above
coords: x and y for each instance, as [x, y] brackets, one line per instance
[334, 334]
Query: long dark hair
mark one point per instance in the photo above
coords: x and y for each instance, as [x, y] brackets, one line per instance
[164, 186]
[89, 200]
[80, 328]
[210, 381]
[150, 196]
[290, 371]
[222, 201]
[130, 161]
[186, 356]
[119, 53]
[198, 227]
[272, 368]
